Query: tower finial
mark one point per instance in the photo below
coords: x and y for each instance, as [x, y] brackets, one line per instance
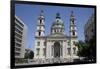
[72, 25]
[72, 16]
[58, 15]
[72, 13]
[41, 12]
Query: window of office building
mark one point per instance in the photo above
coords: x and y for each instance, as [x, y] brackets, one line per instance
[18, 40]
[17, 49]
[17, 30]
[17, 54]
[19, 22]
[18, 35]
[17, 44]
[18, 26]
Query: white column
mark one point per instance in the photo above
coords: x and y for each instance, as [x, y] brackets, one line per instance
[48, 50]
[64, 49]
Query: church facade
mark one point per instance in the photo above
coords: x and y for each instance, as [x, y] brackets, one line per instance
[57, 44]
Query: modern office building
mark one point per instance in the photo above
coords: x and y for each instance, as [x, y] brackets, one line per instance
[20, 38]
[89, 28]
[57, 44]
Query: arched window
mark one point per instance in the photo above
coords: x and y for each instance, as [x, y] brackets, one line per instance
[40, 21]
[39, 33]
[74, 42]
[74, 33]
[55, 30]
[74, 50]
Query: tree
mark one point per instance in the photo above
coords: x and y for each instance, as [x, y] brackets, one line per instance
[87, 49]
[31, 55]
[82, 49]
[92, 48]
[26, 56]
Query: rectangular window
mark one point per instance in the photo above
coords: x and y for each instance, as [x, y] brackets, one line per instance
[17, 30]
[73, 28]
[18, 35]
[17, 49]
[38, 43]
[69, 51]
[17, 54]
[19, 22]
[44, 51]
[69, 43]
[55, 31]
[74, 50]
[44, 43]
[18, 26]
[38, 51]
[18, 40]
[17, 44]
[74, 42]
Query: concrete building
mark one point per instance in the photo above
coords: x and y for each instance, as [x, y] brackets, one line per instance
[20, 38]
[57, 44]
[89, 28]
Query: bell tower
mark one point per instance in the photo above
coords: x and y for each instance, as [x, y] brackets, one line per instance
[73, 32]
[41, 25]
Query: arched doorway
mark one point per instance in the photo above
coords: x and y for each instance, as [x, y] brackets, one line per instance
[56, 49]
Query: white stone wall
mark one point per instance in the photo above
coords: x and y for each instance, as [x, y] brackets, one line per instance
[41, 40]
[72, 46]
[50, 43]
[48, 49]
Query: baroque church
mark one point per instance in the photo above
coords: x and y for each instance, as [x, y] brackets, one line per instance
[57, 44]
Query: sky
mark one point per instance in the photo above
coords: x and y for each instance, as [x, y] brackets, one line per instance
[29, 13]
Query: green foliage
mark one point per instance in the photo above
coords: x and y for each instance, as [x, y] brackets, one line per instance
[87, 49]
[31, 55]
[83, 49]
[92, 48]
[26, 56]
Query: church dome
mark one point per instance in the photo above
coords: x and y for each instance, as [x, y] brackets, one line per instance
[58, 25]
